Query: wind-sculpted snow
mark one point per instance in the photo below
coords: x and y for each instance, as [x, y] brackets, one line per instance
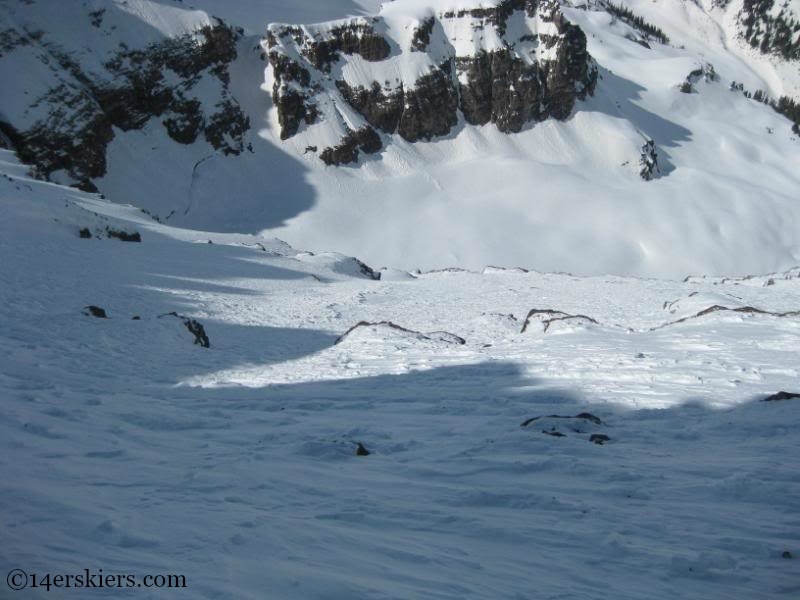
[394, 463]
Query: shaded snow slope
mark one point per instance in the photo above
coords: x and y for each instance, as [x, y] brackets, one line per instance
[127, 448]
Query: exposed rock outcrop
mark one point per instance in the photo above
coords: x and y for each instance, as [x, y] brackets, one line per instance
[429, 109]
[289, 93]
[361, 450]
[382, 108]
[781, 396]
[422, 35]
[545, 318]
[648, 161]
[347, 151]
[509, 79]
[389, 327]
[74, 120]
[194, 327]
[367, 271]
[357, 37]
[747, 310]
[499, 14]
[95, 311]
[582, 424]
[123, 236]
[584, 416]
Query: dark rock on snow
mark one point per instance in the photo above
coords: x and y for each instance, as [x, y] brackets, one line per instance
[546, 317]
[578, 424]
[553, 432]
[441, 336]
[95, 311]
[123, 236]
[368, 271]
[361, 450]
[364, 140]
[599, 439]
[583, 416]
[648, 162]
[194, 327]
[781, 396]
[747, 310]
[422, 35]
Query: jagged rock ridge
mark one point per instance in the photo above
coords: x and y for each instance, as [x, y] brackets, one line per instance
[67, 129]
[521, 62]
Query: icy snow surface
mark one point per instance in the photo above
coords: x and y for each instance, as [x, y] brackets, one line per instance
[124, 447]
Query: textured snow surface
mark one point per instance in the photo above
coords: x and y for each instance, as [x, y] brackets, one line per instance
[124, 447]
[253, 15]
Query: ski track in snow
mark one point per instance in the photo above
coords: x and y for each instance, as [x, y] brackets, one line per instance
[124, 447]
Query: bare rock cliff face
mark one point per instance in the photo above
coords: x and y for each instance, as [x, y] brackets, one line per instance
[522, 62]
[360, 82]
[67, 128]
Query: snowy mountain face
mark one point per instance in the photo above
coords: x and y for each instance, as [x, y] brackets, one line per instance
[84, 96]
[510, 64]
[772, 27]
[184, 394]
[638, 138]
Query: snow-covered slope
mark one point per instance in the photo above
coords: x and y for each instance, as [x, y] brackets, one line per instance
[568, 195]
[184, 394]
[614, 448]
[505, 173]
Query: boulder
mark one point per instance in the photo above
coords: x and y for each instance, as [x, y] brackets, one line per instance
[780, 396]
[194, 327]
[95, 311]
